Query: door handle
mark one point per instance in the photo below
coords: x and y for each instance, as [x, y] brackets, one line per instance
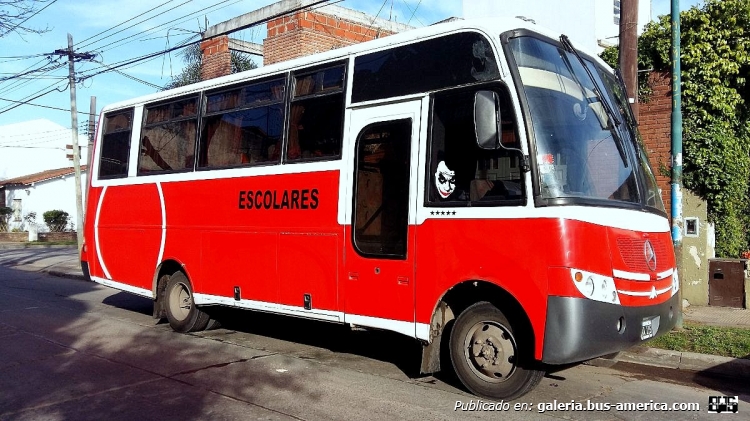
[403, 280]
[353, 276]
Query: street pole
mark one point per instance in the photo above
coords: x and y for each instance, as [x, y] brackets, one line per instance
[629, 50]
[676, 198]
[76, 149]
[92, 130]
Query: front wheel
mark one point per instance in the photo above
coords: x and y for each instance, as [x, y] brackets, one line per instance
[182, 313]
[486, 354]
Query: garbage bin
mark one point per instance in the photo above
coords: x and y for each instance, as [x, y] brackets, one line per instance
[726, 282]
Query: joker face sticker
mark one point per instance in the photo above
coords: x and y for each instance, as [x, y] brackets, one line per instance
[445, 180]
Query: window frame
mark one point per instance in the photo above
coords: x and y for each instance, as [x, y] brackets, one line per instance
[204, 114]
[497, 87]
[291, 99]
[198, 117]
[128, 149]
[355, 190]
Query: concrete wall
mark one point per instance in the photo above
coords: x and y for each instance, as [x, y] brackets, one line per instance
[696, 250]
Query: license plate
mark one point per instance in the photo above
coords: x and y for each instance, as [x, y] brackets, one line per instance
[647, 329]
[649, 326]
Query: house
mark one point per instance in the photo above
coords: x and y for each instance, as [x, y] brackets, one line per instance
[39, 193]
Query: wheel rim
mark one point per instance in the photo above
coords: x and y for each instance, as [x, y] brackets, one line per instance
[180, 301]
[490, 350]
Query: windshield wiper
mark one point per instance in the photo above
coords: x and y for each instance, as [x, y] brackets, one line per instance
[607, 108]
[615, 122]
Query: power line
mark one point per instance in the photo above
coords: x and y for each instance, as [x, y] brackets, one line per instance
[121, 23]
[38, 105]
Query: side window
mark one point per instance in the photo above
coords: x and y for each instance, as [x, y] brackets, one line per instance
[316, 115]
[113, 162]
[243, 126]
[168, 137]
[461, 173]
[381, 204]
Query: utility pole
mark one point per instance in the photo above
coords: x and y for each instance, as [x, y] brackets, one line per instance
[676, 199]
[92, 130]
[629, 50]
[74, 121]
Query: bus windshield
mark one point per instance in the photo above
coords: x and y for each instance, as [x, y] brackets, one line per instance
[585, 148]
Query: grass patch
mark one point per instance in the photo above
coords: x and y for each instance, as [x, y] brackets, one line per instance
[723, 341]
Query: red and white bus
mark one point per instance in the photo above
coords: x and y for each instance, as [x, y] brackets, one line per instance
[474, 184]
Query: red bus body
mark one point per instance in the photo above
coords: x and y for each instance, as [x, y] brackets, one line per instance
[279, 238]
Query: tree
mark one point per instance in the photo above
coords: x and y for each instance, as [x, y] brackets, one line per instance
[715, 66]
[56, 220]
[15, 13]
[193, 58]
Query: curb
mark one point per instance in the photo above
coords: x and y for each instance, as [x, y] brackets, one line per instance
[707, 364]
[68, 275]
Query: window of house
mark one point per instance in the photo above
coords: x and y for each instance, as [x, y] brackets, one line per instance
[168, 137]
[113, 162]
[316, 115]
[16, 206]
[243, 125]
[460, 172]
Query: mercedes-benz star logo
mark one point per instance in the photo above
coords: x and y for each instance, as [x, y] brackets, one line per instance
[650, 255]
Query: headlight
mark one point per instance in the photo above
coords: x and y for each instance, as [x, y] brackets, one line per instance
[595, 287]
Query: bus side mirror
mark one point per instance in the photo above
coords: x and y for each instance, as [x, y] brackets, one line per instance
[486, 119]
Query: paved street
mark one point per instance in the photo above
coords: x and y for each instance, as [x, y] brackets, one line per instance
[73, 350]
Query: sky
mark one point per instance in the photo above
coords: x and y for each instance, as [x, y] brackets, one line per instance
[120, 31]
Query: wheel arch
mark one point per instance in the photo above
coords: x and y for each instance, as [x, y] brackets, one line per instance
[159, 283]
[459, 297]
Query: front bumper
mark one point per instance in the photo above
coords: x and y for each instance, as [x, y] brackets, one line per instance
[579, 329]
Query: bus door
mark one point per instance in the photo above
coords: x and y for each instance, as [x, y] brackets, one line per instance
[379, 285]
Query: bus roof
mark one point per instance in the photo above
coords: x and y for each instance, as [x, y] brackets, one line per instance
[489, 26]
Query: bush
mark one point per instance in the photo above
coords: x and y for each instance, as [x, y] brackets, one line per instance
[5, 214]
[56, 220]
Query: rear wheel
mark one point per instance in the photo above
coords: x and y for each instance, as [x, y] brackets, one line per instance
[182, 313]
[487, 357]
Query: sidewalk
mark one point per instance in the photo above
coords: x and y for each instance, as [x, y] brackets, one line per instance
[63, 261]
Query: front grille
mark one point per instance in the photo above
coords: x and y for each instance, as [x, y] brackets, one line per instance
[631, 251]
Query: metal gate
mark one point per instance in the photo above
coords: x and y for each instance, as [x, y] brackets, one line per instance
[726, 282]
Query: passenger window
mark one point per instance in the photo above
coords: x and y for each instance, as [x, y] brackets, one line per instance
[113, 161]
[316, 115]
[382, 189]
[243, 126]
[168, 137]
[461, 173]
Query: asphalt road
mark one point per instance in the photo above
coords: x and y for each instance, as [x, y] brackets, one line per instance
[74, 350]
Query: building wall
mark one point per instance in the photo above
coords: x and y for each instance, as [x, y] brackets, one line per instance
[217, 60]
[306, 33]
[696, 250]
[55, 194]
[654, 118]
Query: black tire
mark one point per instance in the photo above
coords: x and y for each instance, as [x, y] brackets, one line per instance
[486, 355]
[182, 313]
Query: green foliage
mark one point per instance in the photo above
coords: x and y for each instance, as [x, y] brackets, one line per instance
[715, 65]
[56, 220]
[193, 57]
[611, 56]
[5, 215]
[723, 341]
